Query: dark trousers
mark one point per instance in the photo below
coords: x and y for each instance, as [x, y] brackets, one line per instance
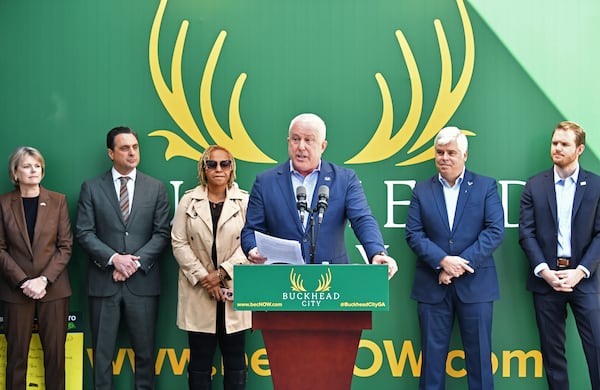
[551, 315]
[140, 315]
[475, 324]
[18, 322]
[204, 345]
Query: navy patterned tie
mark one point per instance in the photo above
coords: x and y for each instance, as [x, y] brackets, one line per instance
[124, 198]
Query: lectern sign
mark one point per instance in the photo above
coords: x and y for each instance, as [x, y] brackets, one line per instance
[339, 287]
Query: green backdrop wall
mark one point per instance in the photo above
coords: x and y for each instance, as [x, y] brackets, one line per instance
[385, 75]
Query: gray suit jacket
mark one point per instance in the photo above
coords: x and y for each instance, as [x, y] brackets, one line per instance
[101, 231]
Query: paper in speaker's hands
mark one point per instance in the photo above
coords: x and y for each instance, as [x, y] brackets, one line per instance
[278, 250]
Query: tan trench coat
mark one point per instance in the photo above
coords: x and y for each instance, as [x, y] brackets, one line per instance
[192, 240]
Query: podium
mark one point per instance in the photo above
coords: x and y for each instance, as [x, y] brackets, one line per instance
[311, 318]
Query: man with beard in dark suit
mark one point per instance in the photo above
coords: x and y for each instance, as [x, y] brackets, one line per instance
[559, 230]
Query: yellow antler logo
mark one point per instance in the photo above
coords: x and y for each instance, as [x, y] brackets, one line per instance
[383, 145]
[297, 282]
[324, 282]
[174, 100]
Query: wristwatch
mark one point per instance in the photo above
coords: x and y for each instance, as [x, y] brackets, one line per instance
[45, 279]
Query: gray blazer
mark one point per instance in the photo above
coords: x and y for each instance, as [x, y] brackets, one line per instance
[101, 231]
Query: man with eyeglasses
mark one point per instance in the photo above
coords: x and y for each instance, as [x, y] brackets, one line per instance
[272, 208]
[123, 226]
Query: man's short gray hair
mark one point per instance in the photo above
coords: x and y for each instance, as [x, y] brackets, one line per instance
[312, 119]
[449, 134]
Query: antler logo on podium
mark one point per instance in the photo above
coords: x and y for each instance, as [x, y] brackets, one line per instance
[297, 283]
[324, 282]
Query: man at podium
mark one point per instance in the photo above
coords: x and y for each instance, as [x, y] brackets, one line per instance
[292, 201]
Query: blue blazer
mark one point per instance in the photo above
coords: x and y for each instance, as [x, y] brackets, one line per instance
[538, 228]
[477, 231]
[272, 210]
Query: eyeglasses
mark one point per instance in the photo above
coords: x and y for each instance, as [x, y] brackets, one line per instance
[212, 164]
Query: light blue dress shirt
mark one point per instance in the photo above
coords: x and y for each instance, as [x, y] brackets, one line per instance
[565, 196]
[451, 196]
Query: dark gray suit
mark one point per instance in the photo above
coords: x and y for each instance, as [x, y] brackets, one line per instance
[101, 232]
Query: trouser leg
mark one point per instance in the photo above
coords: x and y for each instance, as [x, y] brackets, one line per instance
[18, 326]
[436, 322]
[475, 322]
[551, 315]
[140, 314]
[202, 349]
[52, 318]
[105, 315]
[233, 348]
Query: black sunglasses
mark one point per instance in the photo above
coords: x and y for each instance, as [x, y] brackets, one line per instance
[212, 164]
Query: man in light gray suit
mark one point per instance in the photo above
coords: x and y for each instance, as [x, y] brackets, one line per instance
[123, 226]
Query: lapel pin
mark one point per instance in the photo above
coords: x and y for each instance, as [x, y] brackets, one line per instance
[583, 183]
[470, 183]
[327, 178]
[43, 204]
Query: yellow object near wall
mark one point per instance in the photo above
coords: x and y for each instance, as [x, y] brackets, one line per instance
[35, 369]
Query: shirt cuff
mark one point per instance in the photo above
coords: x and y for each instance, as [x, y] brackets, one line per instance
[585, 271]
[541, 267]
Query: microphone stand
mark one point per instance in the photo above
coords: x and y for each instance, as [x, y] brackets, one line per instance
[320, 208]
[312, 236]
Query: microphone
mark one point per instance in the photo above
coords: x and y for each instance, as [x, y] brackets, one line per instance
[323, 198]
[301, 202]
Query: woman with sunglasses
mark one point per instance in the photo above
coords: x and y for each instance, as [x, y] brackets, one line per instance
[206, 244]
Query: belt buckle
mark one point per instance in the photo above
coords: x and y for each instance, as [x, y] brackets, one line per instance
[562, 262]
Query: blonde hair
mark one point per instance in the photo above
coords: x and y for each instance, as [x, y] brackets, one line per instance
[206, 156]
[17, 156]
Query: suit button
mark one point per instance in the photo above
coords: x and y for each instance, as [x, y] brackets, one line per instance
[451, 242]
[126, 233]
